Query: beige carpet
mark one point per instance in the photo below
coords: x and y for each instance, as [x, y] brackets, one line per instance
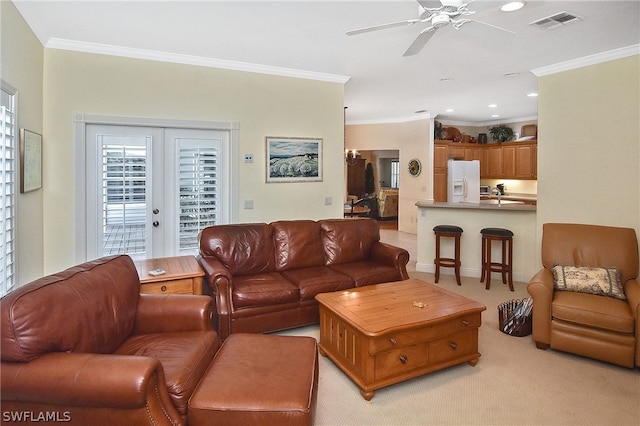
[513, 383]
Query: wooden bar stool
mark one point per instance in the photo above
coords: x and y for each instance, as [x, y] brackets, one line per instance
[505, 237]
[447, 262]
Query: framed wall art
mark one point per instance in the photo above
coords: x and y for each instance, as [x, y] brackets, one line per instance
[30, 161]
[293, 159]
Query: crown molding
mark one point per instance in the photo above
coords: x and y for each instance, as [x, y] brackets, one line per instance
[153, 55]
[585, 61]
[417, 117]
[488, 122]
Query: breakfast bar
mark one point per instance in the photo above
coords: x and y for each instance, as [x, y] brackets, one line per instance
[472, 217]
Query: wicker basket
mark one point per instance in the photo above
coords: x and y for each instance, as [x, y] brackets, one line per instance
[510, 318]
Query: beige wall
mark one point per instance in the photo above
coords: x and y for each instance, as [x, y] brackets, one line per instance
[22, 68]
[263, 105]
[589, 145]
[589, 139]
[412, 140]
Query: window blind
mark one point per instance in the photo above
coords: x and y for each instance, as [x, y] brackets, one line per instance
[124, 198]
[198, 183]
[8, 182]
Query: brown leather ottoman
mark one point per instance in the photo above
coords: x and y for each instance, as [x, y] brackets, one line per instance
[258, 379]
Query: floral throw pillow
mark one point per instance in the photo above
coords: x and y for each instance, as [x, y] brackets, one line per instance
[587, 279]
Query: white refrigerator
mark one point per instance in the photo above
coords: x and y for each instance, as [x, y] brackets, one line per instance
[463, 182]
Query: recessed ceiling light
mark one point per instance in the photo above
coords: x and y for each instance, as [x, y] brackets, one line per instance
[493, 105]
[532, 95]
[446, 79]
[421, 111]
[495, 116]
[511, 74]
[449, 110]
[512, 6]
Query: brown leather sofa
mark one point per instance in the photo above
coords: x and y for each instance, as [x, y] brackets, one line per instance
[84, 347]
[594, 326]
[264, 277]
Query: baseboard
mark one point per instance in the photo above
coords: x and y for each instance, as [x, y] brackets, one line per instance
[465, 272]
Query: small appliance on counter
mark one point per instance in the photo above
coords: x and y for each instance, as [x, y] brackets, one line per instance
[485, 190]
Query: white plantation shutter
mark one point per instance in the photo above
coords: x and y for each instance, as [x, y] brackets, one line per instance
[151, 190]
[198, 169]
[8, 181]
[124, 196]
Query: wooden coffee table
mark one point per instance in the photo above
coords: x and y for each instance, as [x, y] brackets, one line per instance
[387, 333]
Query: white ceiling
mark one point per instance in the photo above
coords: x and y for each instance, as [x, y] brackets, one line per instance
[308, 38]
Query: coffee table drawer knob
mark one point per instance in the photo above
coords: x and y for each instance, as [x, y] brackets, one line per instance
[465, 323]
[453, 345]
[404, 359]
[393, 341]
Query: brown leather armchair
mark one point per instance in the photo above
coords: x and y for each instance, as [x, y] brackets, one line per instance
[84, 347]
[594, 326]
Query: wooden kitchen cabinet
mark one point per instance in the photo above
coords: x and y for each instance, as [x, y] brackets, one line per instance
[480, 153]
[457, 151]
[515, 160]
[526, 161]
[440, 155]
[440, 158]
[494, 158]
[509, 160]
[440, 185]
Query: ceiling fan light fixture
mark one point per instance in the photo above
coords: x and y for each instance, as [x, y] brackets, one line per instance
[512, 6]
[440, 20]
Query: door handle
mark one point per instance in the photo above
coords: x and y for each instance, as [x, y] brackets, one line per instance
[156, 223]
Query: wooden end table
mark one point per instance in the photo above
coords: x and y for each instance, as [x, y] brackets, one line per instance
[387, 333]
[183, 275]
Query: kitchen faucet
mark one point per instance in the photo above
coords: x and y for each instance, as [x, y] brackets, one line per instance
[498, 193]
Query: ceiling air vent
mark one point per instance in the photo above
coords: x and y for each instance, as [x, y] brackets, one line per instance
[557, 20]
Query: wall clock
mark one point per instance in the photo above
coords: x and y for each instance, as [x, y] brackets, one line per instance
[414, 167]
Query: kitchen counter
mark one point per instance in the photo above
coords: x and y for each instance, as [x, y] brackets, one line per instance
[514, 196]
[490, 204]
[518, 217]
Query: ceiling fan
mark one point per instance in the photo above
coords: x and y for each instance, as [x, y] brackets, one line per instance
[438, 14]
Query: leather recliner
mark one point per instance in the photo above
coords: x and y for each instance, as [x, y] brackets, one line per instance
[84, 347]
[594, 326]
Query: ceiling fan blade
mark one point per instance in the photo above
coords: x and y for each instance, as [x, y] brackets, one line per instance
[428, 4]
[420, 41]
[460, 23]
[383, 26]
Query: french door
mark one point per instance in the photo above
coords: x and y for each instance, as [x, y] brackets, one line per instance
[151, 190]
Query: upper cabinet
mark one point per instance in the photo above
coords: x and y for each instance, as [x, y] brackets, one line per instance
[508, 160]
[514, 160]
